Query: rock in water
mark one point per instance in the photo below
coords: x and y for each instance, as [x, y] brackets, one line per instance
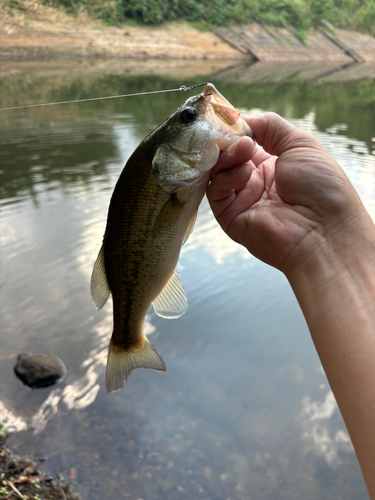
[39, 370]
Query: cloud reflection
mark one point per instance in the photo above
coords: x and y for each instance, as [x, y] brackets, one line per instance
[209, 237]
[46, 411]
[11, 421]
[319, 436]
[82, 392]
[319, 411]
[78, 395]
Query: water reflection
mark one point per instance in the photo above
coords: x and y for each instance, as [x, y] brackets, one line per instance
[83, 391]
[320, 436]
[50, 155]
[11, 421]
[46, 411]
[242, 411]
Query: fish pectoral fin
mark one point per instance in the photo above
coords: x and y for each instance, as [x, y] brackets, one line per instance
[100, 290]
[172, 301]
[170, 211]
[122, 362]
[190, 228]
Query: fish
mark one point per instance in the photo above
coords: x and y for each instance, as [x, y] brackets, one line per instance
[151, 214]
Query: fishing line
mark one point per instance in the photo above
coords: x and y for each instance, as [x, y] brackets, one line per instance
[183, 88]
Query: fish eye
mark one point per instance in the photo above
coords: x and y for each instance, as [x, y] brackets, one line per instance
[188, 115]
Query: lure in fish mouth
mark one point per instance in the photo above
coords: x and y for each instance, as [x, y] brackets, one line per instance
[151, 215]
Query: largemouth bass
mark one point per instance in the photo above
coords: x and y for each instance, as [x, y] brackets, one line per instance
[151, 215]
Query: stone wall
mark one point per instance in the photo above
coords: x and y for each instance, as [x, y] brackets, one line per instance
[362, 43]
[266, 43]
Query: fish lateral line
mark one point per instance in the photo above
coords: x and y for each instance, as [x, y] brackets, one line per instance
[182, 88]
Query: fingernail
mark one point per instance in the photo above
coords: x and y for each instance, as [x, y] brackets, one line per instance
[231, 148]
[236, 170]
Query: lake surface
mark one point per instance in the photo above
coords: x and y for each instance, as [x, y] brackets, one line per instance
[244, 410]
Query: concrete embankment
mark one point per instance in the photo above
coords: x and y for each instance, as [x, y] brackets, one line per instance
[265, 43]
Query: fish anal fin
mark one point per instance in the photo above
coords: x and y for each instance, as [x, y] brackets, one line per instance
[99, 285]
[172, 302]
[121, 363]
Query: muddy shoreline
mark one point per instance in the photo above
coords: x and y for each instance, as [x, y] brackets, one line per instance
[20, 477]
[42, 32]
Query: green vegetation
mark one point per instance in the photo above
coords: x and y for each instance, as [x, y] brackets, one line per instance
[300, 14]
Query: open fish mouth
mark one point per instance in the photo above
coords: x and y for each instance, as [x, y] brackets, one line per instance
[223, 117]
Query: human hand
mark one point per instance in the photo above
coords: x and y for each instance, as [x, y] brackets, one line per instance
[287, 200]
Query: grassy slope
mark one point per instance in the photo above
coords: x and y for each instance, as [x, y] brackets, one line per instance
[298, 14]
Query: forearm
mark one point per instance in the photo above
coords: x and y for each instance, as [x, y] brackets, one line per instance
[296, 210]
[336, 291]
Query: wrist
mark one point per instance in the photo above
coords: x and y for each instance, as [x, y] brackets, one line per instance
[339, 258]
[335, 288]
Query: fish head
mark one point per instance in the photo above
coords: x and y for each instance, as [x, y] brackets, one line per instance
[191, 138]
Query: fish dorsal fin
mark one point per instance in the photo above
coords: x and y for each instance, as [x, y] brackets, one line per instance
[172, 301]
[190, 228]
[99, 285]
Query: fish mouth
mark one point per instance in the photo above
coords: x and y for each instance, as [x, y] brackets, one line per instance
[222, 116]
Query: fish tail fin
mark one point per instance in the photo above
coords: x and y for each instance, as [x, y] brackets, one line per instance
[122, 362]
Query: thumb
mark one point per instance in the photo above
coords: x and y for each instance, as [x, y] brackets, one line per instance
[277, 136]
[305, 174]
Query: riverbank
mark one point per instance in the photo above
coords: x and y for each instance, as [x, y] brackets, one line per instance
[20, 477]
[37, 31]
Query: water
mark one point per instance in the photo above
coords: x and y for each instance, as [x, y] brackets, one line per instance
[244, 410]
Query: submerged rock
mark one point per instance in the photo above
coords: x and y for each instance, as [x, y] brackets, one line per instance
[39, 370]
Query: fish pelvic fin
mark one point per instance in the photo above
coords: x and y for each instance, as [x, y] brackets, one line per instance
[172, 302]
[122, 362]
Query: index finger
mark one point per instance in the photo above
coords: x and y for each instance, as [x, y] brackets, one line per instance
[236, 154]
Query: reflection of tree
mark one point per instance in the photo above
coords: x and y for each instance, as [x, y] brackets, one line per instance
[63, 153]
[351, 103]
[74, 142]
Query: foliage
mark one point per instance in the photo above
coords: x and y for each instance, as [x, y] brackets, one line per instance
[299, 14]
[365, 16]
